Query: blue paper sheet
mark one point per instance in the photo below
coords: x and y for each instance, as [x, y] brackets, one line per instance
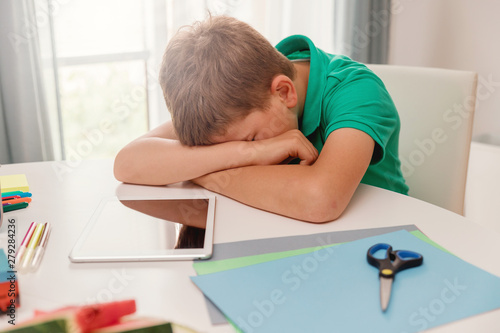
[336, 290]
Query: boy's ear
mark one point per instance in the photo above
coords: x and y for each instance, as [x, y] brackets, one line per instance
[284, 88]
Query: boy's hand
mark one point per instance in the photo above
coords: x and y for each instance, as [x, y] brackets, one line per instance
[282, 148]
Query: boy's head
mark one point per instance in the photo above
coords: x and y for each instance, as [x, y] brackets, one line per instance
[215, 73]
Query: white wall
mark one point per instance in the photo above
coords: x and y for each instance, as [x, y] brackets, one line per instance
[454, 34]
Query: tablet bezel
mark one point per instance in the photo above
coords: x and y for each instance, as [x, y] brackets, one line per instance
[174, 254]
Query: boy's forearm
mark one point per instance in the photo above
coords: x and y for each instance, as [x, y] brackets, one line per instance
[155, 160]
[159, 161]
[316, 193]
[290, 190]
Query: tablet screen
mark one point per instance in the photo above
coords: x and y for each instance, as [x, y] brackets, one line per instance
[147, 229]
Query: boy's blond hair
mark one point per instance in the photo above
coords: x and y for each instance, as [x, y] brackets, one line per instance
[216, 72]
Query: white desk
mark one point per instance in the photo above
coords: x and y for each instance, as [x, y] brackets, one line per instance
[66, 196]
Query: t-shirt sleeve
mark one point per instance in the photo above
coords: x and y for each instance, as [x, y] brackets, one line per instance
[361, 101]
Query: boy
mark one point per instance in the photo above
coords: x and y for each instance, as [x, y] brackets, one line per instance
[241, 110]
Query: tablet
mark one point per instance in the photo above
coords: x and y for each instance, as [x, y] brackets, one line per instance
[148, 229]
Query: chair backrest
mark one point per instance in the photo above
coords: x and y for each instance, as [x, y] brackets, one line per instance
[436, 108]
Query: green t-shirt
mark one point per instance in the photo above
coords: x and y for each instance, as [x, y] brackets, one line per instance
[344, 93]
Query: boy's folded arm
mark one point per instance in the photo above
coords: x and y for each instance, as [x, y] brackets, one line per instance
[313, 193]
[158, 158]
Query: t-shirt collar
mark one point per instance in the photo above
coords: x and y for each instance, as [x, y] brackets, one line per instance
[291, 47]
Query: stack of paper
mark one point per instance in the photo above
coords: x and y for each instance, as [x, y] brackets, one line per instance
[335, 289]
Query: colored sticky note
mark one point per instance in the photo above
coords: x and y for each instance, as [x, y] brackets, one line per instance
[5, 268]
[335, 289]
[10, 183]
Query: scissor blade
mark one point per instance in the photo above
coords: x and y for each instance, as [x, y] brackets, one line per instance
[385, 291]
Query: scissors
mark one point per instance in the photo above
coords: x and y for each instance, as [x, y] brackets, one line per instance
[389, 265]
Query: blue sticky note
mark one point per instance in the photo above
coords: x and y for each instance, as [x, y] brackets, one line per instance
[4, 267]
[335, 289]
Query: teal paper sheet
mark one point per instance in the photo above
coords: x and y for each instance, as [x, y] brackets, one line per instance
[335, 290]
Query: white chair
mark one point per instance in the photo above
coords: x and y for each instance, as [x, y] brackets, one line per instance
[436, 108]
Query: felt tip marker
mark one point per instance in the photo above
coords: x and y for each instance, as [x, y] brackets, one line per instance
[17, 200]
[41, 248]
[24, 243]
[8, 194]
[11, 197]
[15, 206]
[35, 239]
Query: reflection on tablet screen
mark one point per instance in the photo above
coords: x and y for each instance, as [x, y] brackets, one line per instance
[144, 227]
[187, 216]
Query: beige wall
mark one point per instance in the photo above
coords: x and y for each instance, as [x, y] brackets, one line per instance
[454, 34]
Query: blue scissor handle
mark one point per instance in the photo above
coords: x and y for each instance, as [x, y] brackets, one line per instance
[393, 261]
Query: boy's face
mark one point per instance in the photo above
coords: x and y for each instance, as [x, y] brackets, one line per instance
[261, 124]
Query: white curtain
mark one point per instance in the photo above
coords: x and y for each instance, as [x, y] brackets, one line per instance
[362, 29]
[24, 128]
[274, 19]
[5, 156]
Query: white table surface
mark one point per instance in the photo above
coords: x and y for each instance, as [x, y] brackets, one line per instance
[66, 194]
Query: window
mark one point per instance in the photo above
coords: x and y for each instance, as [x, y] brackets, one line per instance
[101, 64]
[101, 60]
